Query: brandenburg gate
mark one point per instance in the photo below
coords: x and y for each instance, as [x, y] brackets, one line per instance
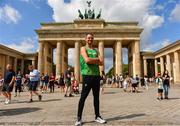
[65, 35]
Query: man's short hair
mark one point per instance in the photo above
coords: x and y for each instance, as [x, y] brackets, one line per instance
[89, 34]
[30, 66]
[8, 66]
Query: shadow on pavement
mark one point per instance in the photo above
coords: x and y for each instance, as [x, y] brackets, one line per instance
[109, 92]
[50, 100]
[18, 111]
[173, 98]
[119, 118]
[124, 117]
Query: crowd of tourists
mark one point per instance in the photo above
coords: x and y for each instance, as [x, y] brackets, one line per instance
[34, 80]
[131, 84]
[68, 85]
[128, 83]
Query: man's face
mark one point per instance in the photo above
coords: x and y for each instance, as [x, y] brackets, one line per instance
[89, 39]
[30, 68]
[8, 67]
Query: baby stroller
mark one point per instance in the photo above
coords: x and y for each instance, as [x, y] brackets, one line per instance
[75, 87]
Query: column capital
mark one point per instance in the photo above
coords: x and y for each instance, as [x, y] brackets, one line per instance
[59, 41]
[118, 40]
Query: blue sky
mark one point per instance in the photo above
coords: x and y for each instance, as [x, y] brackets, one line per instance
[19, 18]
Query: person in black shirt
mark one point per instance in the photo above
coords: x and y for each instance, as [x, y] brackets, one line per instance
[9, 79]
[166, 83]
[18, 83]
[67, 76]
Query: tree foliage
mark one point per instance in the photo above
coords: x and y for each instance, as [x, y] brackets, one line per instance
[111, 71]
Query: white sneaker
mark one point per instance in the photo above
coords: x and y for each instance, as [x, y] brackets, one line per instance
[100, 120]
[78, 123]
[7, 101]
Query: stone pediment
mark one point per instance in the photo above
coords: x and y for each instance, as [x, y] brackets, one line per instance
[56, 26]
[89, 24]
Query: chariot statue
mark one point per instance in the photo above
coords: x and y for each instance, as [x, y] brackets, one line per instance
[90, 13]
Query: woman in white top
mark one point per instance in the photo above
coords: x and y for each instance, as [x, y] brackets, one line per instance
[125, 83]
[159, 81]
[146, 82]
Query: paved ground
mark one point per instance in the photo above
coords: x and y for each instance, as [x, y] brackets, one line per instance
[117, 107]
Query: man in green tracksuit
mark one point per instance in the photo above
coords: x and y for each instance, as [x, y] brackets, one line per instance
[89, 63]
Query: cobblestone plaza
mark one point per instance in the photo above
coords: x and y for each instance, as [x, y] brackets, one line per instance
[117, 107]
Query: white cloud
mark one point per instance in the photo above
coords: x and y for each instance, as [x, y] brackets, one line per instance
[71, 60]
[25, 0]
[175, 14]
[172, 1]
[70, 56]
[113, 10]
[156, 46]
[27, 45]
[149, 23]
[9, 14]
[160, 7]
[165, 42]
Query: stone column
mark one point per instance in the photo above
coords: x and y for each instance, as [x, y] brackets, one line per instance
[15, 65]
[177, 67]
[101, 53]
[162, 65]
[118, 57]
[34, 63]
[114, 53]
[46, 50]
[81, 44]
[22, 66]
[156, 67]
[63, 57]
[145, 66]
[7, 60]
[168, 64]
[40, 57]
[130, 59]
[66, 59]
[77, 62]
[59, 58]
[136, 59]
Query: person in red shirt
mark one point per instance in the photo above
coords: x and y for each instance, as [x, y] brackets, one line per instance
[51, 83]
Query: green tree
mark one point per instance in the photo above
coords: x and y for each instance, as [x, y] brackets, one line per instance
[111, 71]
